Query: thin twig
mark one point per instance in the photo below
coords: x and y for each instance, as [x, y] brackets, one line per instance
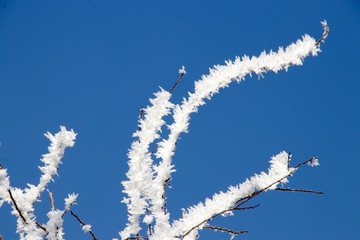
[246, 208]
[141, 115]
[164, 195]
[82, 223]
[246, 199]
[298, 190]
[226, 230]
[181, 75]
[16, 206]
[1, 238]
[326, 31]
[137, 237]
[51, 200]
[154, 150]
[41, 226]
[148, 213]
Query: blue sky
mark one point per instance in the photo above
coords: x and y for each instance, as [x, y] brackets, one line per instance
[91, 65]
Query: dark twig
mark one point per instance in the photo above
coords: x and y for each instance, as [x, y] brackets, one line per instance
[181, 75]
[246, 208]
[154, 150]
[82, 223]
[1, 238]
[141, 115]
[148, 213]
[164, 195]
[298, 190]
[18, 210]
[225, 230]
[16, 206]
[41, 226]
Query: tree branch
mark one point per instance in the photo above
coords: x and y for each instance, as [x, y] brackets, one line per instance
[16, 206]
[181, 75]
[325, 33]
[82, 223]
[246, 208]
[246, 199]
[298, 190]
[41, 226]
[141, 115]
[226, 230]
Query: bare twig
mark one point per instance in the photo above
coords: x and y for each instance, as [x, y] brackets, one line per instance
[41, 226]
[246, 208]
[154, 150]
[51, 200]
[82, 223]
[1, 238]
[181, 75]
[298, 190]
[246, 199]
[226, 230]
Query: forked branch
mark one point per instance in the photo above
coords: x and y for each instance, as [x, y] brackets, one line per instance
[246, 199]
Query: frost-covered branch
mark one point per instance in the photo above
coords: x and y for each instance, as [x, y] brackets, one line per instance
[146, 181]
[226, 203]
[140, 174]
[22, 201]
[145, 187]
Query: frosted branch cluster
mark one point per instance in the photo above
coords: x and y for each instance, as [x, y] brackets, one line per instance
[22, 200]
[145, 186]
[147, 177]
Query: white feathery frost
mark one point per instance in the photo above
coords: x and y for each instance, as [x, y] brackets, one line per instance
[26, 198]
[145, 184]
[144, 188]
[182, 70]
[86, 228]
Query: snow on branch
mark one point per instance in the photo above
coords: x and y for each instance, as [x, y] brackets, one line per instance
[224, 203]
[22, 201]
[146, 181]
[140, 174]
[146, 185]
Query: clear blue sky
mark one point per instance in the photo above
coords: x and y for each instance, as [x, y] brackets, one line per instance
[90, 65]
